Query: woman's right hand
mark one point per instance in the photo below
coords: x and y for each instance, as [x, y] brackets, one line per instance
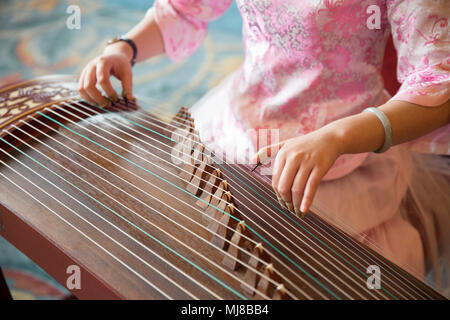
[98, 71]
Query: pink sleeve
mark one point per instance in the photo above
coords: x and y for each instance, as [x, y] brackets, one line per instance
[421, 36]
[184, 23]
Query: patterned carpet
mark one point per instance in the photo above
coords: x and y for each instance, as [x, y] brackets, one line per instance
[35, 41]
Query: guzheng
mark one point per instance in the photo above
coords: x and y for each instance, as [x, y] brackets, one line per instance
[146, 212]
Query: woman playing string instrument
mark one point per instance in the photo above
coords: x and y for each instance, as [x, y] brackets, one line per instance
[310, 70]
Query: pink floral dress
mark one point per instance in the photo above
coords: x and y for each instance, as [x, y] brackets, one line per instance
[310, 62]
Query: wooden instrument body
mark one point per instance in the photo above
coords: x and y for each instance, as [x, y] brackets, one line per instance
[111, 201]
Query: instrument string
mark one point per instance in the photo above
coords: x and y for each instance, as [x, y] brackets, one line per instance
[392, 271]
[308, 224]
[340, 222]
[135, 146]
[135, 240]
[177, 187]
[157, 110]
[121, 123]
[270, 196]
[147, 182]
[389, 270]
[145, 204]
[171, 125]
[336, 220]
[135, 226]
[74, 227]
[358, 283]
[260, 188]
[149, 195]
[343, 226]
[288, 239]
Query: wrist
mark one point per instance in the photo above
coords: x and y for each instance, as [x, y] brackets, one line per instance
[120, 47]
[358, 133]
[338, 135]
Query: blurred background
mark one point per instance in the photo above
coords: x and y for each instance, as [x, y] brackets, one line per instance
[35, 41]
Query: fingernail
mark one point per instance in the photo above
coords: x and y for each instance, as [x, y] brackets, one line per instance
[281, 201]
[303, 207]
[299, 213]
[290, 206]
[114, 98]
[254, 159]
[263, 157]
[127, 95]
[103, 103]
[111, 102]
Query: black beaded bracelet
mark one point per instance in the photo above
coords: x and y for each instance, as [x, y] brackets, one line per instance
[130, 42]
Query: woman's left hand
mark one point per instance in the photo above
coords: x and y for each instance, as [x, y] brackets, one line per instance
[300, 165]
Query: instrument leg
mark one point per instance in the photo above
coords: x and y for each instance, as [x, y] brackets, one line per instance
[5, 294]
